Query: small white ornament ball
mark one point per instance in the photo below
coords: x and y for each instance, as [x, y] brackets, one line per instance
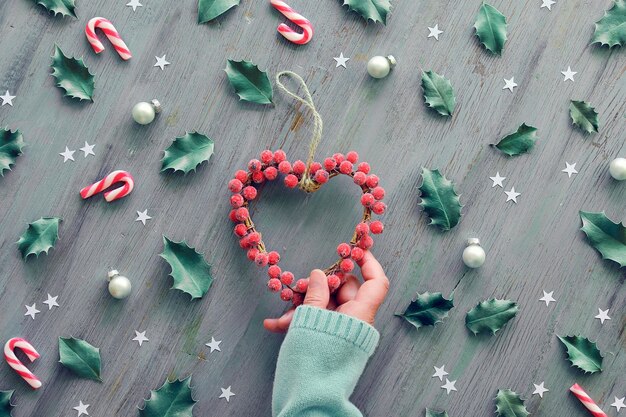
[617, 169]
[379, 66]
[474, 254]
[119, 286]
[144, 113]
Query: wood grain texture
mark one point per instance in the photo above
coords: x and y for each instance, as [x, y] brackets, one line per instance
[531, 246]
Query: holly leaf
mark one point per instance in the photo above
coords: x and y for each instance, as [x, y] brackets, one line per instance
[249, 82]
[606, 237]
[191, 273]
[490, 315]
[431, 413]
[210, 9]
[40, 236]
[173, 399]
[11, 144]
[509, 404]
[65, 7]
[491, 28]
[438, 93]
[80, 357]
[5, 403]
[439, 199]
[584, 116]
[582, 353]
[375, 10]
[611, 29]
[72, 76]
[518, 142]
[187, 152]
[427, 309]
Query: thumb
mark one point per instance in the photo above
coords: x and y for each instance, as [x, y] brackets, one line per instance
[317, 294]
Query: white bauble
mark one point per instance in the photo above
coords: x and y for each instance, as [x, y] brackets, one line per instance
[474, 255]
[617, 169]
[143, 113]
[119, 286]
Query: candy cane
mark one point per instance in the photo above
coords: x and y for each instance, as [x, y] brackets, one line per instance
[110, 32]
[17, 365]
[106, 182]
[587, 401]
[289, 33]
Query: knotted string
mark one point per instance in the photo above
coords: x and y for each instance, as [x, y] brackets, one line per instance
[306, 183]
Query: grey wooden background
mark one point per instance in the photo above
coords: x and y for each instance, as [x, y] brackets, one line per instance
[531, 246]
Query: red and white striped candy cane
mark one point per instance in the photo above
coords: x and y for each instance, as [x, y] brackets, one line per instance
[18, 366]
[587, 401]
[289, 33]
[109, 30]
[106, 182]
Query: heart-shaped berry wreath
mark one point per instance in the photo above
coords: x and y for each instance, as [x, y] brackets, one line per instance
[309, 177]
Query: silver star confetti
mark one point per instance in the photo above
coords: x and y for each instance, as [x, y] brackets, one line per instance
[7, 98]
[142, 216]
[540, 389]
[497, 180]
[341, 60]
[214, 345]
[509, 84]
[67, 155]
[547, 298]
[226, 393]
[134, 4]
[51, 302]
[449, 386]
[619, 403]
[140, 337]
[32, 311]
[603, 315]
[434, 32]
[569, 74]
[547, 3]
[512, 195]
[570, 169]
[440, 372]
[88, 149]
[82, 409]
[161, 62]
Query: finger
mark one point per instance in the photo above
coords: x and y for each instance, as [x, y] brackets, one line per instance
[374, 289]
[317, 294]
[348, 290]
[281, 324]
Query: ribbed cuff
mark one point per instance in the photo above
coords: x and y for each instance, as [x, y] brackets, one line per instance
[352, 330]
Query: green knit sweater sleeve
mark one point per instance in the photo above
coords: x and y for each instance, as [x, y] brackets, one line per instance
[319, 364]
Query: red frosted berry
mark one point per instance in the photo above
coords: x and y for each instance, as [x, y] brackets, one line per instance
[241, 230]
[297, 299]
[352, 157]
[274, 285]
[372, 181]
[236, 200]
[362, 229]
[364, 167]
[233, 216]
[367, 199]
[284, 167]
[241, 175]
[321, 176]
[286, 294]
[254, 238]
[379, 207]
[341, 275]
[261, 259]
[291, 181]
[242, 214]
[343, 250]
[359, 178]
[378, 193]
[254, 165]
[235, 185]
[346, 265]
[357, 254]
[366, 242]
[339, 158]
[270, 173]
[286, 278]
[274, 271]
[249, 193]
[333, 282]
[345, 167]
[244, 242]
[330, 164]
[315, 166]
[273, 257]
[280, 156]
[267, 156]
[252, 253]
[299, 167]
[302, 284]
[258, 177]
[377, 227]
